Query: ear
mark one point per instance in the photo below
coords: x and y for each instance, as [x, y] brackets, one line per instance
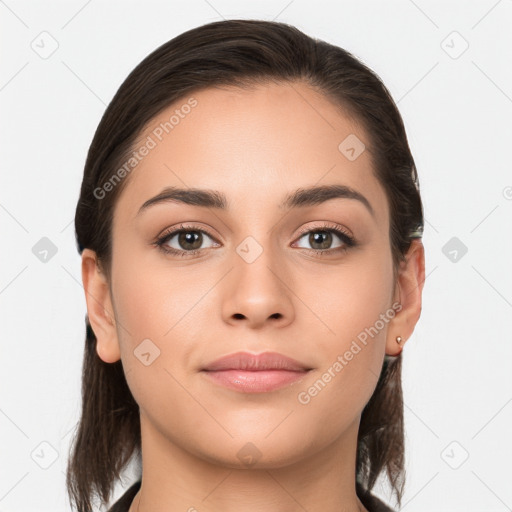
[99, 308]
[408, 290]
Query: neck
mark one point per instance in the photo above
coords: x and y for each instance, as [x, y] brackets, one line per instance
[174, 479]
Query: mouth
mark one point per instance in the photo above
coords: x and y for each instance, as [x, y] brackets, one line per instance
[255, 373]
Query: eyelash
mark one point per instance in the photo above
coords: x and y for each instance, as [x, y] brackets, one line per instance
[347, 239]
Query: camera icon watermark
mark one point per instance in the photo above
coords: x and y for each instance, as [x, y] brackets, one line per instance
[249, 454]
[249, 249]
[147, 352]
[454, 45]
[44, 250]
[454, 455]
[44, 455]
[45, 45]
[454, 249]
[351, 147]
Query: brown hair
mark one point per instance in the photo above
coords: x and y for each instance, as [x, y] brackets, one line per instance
[238, 53]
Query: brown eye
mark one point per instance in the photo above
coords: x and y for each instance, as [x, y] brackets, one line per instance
[185, 241]
[320, 239]
[190, 240]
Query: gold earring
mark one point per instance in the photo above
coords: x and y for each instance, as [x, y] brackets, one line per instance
[399, 339]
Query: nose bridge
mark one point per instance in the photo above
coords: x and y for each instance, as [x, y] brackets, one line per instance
[257, 290]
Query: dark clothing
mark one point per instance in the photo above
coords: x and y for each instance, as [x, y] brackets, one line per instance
[371, 502]
[124, 502]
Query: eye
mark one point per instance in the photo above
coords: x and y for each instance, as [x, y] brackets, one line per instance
[189, 240]
[185, 241]
[321, 239]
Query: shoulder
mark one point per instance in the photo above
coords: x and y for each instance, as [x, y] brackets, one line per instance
[124, 502]
[371, 502]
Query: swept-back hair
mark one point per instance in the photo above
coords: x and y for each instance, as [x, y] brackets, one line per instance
[241, 53]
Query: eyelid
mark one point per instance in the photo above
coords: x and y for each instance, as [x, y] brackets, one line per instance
[184, 226]
[326, 226]
[304, 230]
[344, 234]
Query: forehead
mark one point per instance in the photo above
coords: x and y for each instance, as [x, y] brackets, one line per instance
[254, 144]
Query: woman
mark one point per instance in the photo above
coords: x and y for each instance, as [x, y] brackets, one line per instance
[250, 229]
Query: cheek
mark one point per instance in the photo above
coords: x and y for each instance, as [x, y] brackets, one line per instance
[160, 314]
[355, 310]
[354, 295]
[338, 311]
[151, 299]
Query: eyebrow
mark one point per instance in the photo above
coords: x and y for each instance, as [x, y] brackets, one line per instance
[301, 197]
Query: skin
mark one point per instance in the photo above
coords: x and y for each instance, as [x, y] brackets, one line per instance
[255, 146]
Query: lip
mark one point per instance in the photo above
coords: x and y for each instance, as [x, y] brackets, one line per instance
[255, 373]
[256, 362]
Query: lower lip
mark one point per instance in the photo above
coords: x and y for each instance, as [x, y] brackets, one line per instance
[260, 381]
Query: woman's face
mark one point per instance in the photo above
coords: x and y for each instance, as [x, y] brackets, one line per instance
[255, 283]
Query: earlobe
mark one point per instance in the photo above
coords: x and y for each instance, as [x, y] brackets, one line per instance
[410, 280]
[99, 308]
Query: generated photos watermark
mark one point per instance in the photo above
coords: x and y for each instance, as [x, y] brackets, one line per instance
[305, 396]
[151, 142]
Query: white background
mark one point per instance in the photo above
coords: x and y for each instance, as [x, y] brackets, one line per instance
[457, 366]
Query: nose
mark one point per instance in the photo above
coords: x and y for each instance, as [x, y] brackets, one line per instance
[257, 294]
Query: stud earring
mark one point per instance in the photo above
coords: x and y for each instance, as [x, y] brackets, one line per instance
[399, 339]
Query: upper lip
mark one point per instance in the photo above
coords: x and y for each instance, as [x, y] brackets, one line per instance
[256, 362]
